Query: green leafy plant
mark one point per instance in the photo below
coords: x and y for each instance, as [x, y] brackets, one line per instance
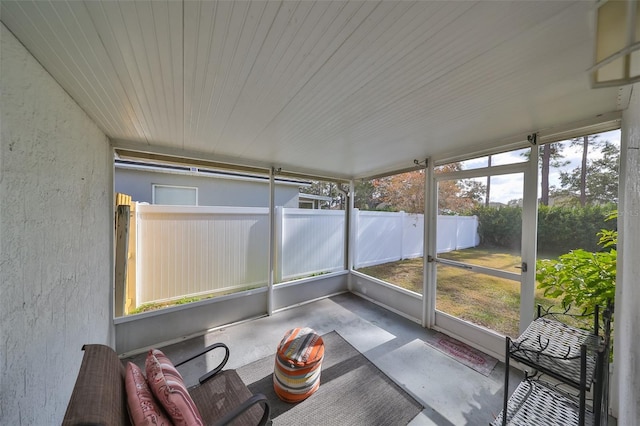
[558, 233]
[499, 227]
[581, 278]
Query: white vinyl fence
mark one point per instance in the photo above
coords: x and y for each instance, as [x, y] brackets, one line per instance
[185, 250]
[188, 251]
[309, 242]
[383, 237]
[457, 233]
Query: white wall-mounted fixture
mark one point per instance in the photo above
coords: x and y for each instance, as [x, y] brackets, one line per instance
[617, 43]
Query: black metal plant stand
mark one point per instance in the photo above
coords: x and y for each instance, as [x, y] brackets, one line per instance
[568, 364]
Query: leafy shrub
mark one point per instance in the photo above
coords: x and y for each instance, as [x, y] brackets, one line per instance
[499, 227]
[560, 229]
[581, 278]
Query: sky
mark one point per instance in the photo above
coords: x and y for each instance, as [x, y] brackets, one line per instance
[509, 187]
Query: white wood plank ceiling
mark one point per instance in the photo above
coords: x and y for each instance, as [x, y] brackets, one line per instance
[342, 88]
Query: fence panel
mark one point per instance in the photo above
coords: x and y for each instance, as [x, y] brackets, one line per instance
[312, 242]
[379, 238]
[195, 250]
[383, 237]
[447, 234]
[467, 232]
[412, 235]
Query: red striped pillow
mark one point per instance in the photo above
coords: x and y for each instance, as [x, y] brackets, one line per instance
[143, 407]
[169, 389]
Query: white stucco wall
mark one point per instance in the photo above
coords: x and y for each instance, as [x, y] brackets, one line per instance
[627, 309]
[55, 225]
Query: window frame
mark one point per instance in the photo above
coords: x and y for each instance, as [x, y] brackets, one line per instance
[154, 186]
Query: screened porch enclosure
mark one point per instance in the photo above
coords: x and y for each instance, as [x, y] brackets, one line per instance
[235, 263]
[341, 92]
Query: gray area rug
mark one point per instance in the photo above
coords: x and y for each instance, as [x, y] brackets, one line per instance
[352, 391]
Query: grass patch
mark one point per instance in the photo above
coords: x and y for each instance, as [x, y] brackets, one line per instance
[404, 273]
[154, 306]
[487, 257]
[488, 301]
[147, 307]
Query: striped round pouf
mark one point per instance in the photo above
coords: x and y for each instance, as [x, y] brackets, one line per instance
[299, 357]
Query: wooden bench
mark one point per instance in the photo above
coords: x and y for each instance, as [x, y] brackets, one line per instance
[99, 396]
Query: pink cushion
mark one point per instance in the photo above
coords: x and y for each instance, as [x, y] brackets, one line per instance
[143, 407]
[168, 387]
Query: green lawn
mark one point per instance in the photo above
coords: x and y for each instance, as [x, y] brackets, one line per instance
[484, 300]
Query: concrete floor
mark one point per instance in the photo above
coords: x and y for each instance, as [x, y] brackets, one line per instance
[452, 393]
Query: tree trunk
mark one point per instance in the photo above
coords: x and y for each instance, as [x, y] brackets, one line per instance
[583, 172]
[544, 172]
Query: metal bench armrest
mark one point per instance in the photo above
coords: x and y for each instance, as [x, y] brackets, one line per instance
[204, 351]
[255, 399]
